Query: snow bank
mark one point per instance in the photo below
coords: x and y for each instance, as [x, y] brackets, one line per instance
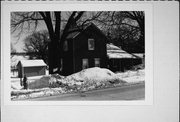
[132, 76]
[87, 77]
[94, 75]
[25, 94]
[40, 83]
[45, 81]
[16, 85]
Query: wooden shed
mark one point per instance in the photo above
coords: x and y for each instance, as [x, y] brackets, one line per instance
[31, 68]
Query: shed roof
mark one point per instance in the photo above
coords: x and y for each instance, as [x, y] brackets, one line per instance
[114, 52]
[32, 63]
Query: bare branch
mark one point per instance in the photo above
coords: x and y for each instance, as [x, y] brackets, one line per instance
[22, 22]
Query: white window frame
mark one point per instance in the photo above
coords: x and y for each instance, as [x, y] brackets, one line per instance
[85, 63]
[91, 44]
[95, 62]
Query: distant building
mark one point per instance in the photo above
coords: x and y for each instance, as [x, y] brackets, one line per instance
[84, 49]
[31, 68]
[120, 60]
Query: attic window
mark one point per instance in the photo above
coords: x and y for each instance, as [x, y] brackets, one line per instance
[91, 44]
[65, 46]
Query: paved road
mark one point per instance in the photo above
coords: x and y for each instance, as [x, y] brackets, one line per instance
[135, 92]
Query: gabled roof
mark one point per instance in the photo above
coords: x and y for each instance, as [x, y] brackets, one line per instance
[114, 52]
[77, 30]
[32, 63]
[73, 35]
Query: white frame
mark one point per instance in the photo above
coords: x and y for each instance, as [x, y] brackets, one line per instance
[23, 6]
[91, 40]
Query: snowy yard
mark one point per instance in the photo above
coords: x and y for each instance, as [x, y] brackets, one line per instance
[88, 79]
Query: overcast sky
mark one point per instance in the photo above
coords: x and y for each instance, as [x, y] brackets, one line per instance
[18, 42]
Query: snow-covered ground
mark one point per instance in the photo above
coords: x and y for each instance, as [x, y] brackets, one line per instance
[132, 76]
[88, 79]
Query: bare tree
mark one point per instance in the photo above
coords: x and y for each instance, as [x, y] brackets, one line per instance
[13, 50]
[37, 44]
[25, 21]
[124, 28]
[139, 17]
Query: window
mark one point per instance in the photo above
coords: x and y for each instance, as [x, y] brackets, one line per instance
[91, 44]
[65, 46]
[97, 62]
[85, 63]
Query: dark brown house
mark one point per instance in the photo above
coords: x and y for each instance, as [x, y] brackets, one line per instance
[84, 49]
[31, 68]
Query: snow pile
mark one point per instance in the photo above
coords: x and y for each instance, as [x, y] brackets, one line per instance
[95, 75]
[45, 81]
[132, 76]
[88, 77]
[16, 85]
[84, 80]
[39, 83]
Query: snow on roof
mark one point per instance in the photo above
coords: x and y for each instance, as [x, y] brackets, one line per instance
[112, 47]
[16, 58]
[140, 55]
[120, 55]
[32, 63]
[116, 52]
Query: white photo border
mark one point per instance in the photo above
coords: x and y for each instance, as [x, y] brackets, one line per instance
[8, 7]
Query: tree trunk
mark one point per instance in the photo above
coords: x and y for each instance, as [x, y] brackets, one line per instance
[54, 57]
[55, 45]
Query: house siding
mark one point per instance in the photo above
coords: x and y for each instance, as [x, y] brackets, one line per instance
[81, 48]
[123, 64]
[34, 71]
[67, 58]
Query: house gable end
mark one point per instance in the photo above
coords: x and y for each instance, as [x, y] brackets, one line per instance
[91, 26]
